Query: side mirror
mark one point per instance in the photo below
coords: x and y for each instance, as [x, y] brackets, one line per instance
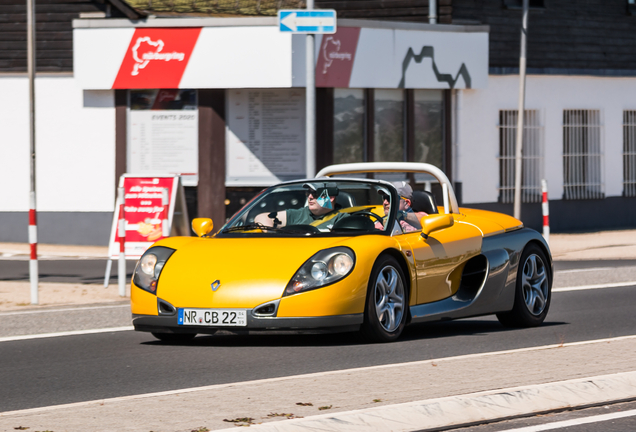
[436, 222]
[202, 226]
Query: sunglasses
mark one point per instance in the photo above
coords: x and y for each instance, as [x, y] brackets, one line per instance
[386, 198]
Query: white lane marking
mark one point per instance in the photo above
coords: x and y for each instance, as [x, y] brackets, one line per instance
[28, 312]
[586, 270]
[310, 375]
[589, 287]
[575, 422]
[68, 333]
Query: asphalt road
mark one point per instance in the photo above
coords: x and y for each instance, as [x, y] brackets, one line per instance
[49, 371]
[605, 418]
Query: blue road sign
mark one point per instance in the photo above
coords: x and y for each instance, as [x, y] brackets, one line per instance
[307, 21]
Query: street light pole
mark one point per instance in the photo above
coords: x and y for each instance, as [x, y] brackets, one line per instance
[33, 263]
[520, 112]
[310, 103]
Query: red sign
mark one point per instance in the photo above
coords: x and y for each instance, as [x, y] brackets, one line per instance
[148, 207]
[335, 59]
[156, 58]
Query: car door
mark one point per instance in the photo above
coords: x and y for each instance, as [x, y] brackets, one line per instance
[439, 259]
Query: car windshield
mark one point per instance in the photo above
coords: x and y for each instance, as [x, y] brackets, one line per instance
[317, 207]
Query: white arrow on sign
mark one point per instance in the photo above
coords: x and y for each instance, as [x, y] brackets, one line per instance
[293, 22]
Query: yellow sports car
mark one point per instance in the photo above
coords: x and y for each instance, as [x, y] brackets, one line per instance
[338, 253]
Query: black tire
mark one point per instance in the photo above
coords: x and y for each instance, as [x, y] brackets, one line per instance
[533, 291]
[175, 338]
[387, 325]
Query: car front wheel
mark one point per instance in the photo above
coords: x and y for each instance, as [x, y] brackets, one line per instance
[387, 302]
[533, 290]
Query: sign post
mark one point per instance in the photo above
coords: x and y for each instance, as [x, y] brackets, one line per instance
[33, 228]
[309, 21]
[521, 111]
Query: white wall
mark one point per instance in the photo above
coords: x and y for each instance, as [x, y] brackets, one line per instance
[75, 146]
[14, 144]
[478, 139]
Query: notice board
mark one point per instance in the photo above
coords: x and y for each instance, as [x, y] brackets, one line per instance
[144, 212]
[265, 139]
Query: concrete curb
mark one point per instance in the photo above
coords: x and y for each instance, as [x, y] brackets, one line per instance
[468, 409]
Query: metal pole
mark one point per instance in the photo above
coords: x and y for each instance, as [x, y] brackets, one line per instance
[522, 104]
[33, 230]
[310, 104]
[545, 210]
[432, 11]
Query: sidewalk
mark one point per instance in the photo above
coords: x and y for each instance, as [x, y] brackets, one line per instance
[603, 245]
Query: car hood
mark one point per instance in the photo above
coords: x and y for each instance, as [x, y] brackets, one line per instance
[251, 271]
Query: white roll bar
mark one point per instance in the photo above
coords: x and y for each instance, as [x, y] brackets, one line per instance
[450, 201]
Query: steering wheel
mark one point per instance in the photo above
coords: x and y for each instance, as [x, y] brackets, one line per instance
[369, 214]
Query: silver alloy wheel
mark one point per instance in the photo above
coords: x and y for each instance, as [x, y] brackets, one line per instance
[534, 284]
[389, 298]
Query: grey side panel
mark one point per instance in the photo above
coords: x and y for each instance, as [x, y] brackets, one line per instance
[497, 293]
[76, 228]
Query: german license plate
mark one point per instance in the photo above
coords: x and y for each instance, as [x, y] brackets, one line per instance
[213, 317]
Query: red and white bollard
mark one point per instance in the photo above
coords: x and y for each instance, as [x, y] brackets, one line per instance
[545, 210]
[33, 242]
[121, 234]
[165, 228]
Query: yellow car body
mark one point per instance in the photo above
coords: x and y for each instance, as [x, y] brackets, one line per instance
[462, 262]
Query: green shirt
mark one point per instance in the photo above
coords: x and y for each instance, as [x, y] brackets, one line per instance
[304, 216]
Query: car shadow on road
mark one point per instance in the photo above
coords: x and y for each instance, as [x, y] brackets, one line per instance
[416, 332]
[465, 327]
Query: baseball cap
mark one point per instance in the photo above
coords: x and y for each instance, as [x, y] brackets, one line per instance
[404, 189]
[318, 188]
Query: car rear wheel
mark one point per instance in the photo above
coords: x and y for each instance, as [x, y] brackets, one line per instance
[533, 290]
[387, 302]
[174, 338]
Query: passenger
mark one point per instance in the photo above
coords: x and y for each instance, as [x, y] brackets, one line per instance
[321, 206]
[423, 203]
[408, 220]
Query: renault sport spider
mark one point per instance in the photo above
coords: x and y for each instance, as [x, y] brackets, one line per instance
[337, 253]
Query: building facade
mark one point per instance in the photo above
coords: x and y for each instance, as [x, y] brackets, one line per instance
[221, 102]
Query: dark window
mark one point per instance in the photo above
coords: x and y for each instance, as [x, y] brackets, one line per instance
[631, 7]
[518, 4]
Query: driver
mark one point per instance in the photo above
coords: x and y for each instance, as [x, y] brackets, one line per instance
[320, 206]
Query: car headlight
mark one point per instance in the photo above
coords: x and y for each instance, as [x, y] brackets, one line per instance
[149, 268]
[322, 269]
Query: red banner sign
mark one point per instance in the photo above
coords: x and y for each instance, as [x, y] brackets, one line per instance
[156, 58]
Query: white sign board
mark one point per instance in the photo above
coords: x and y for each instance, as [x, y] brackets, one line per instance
[265, 139]
[164, 141]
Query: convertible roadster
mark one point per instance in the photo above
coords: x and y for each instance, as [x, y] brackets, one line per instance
[337, 253]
